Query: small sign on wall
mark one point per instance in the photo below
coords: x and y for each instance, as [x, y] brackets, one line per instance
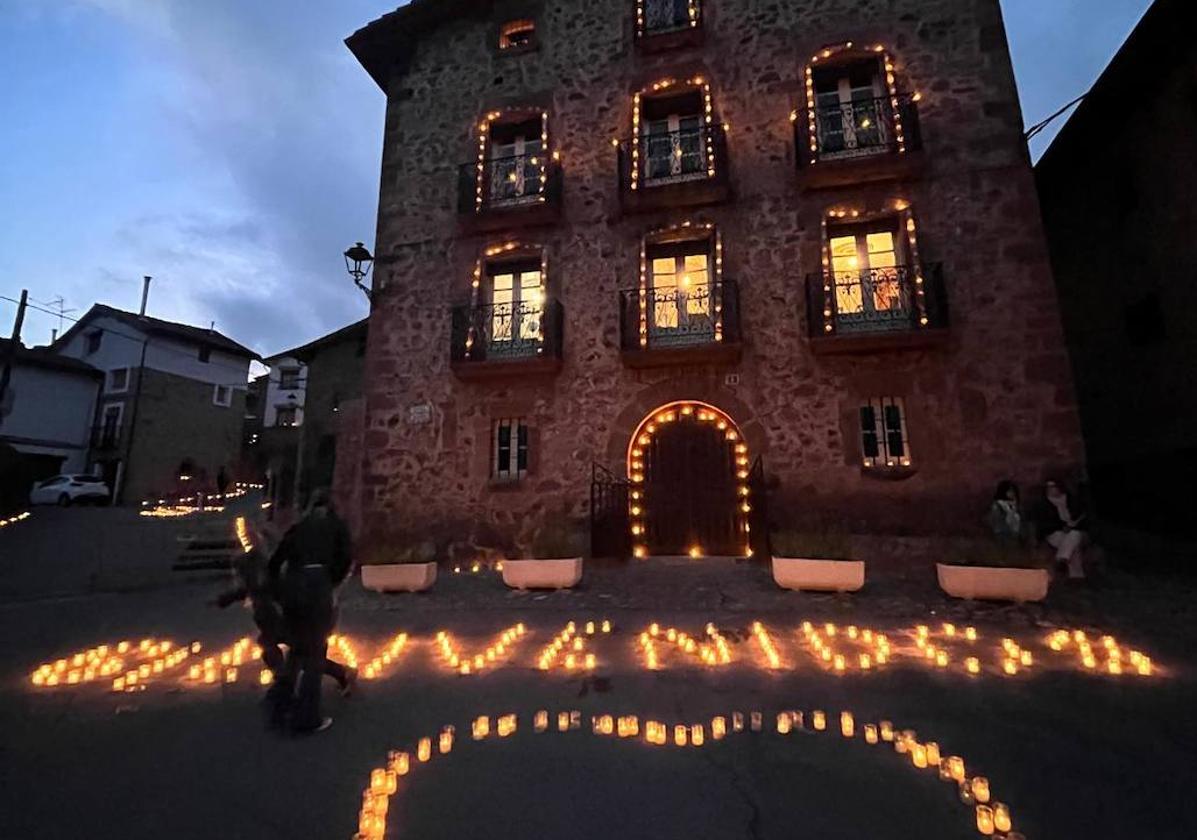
[731, 379]
[419, 414]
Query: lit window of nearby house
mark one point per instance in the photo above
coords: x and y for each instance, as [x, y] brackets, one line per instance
[222, 395]
[515, 34]
[883, 438]
[510, 449]
[118, 380]
[288, 379]
[285, 417]
[205, 354]
[93, 341]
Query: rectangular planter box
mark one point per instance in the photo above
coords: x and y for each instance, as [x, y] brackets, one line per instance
[399, 577]
[991, 583]
[542, 574]
[819, 575]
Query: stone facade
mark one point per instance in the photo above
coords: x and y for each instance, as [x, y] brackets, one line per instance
[1127, 305]
[994, 401]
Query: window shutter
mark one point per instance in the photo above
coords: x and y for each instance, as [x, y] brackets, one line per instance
[868, 432]
[893, 431]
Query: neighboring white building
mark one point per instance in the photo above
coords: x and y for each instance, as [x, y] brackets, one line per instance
[286, 391]
[46, 415]
[172, 405]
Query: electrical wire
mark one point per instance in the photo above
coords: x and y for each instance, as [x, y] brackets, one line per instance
[1038, 127]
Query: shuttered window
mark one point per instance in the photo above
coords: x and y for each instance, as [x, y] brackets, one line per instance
[883, 436]
[510, 460]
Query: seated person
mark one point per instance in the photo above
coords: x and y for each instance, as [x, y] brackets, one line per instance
[1061, 519]
[1005, 517]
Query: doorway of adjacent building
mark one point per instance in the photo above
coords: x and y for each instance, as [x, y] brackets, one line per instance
[688, 468]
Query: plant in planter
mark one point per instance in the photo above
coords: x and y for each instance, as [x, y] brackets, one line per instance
[818, 560]
[396, 565]
[997, 570]
[552, 561]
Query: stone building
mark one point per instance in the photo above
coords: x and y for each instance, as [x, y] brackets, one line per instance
[1122, 256]
[699, 269]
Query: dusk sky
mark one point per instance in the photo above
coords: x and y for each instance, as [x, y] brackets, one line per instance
[230, 149]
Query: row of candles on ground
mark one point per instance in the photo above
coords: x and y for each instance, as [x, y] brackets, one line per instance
[13, 520]
[574, 646]
[569, 650]
[992, 817]
[466, 665]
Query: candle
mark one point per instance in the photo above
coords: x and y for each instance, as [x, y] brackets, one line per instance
[956, 768]
[818, 720]
[985, 819]
[870, 733]
[424, 749]
[400, 763]
[973, 665]
[980, 788]
[754, 721]
[679, 735]
[378, 781]
[737, 721]
[562, 721]
[918, 755]
[718, 728]
[783, 723]
[696, 735]
[847, 724]
[887, 731]
[933, 757]
[540, 722]
[1001, 817]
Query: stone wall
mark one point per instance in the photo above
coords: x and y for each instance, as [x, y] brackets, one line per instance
[996, 402]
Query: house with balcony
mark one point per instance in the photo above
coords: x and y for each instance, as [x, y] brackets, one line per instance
[657, 266]
[171, 406]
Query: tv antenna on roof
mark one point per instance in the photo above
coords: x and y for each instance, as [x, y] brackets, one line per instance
[59, 305]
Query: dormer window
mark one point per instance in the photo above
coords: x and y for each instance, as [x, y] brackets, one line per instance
[517, 34]
[660, 16]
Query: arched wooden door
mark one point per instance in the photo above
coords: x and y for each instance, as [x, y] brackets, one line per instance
[690, 490]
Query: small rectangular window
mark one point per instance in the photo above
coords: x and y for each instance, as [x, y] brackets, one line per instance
[93, 341]
[222, 395]
[288, 379]
[884, 441]
[205, 354]
[118, 380]
[517, 33]
[510, 450]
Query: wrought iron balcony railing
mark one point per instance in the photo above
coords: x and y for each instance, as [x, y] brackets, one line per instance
[857, 129]
[507, 332]
[877, 300]
[107, 436]
[675, 318]
[673, 157]
[508, 183]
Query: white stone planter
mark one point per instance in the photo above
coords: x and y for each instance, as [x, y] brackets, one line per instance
[992, 583]
[819, 575]
[399, 577]
[542, 574]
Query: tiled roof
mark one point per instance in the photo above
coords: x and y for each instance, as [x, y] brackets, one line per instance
[156, 326]
[44, 357]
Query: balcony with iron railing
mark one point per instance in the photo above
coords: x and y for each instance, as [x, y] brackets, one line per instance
[506, 339]
[518, 190]
[668, 24]
[678, 326]
[687, 167]
[877, 309]
[858, 141]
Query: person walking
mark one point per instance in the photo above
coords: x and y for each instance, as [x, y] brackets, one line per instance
[312, 560]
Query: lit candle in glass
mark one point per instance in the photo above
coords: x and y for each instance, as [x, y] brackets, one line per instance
[847, 724]
[818, 720]
[956, 768]
[679, 735]
[886, 731]
[870, 733]
[980, 788]
[424, 749]
[985, 819]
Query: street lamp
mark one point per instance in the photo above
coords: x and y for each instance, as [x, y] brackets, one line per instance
[358, 262]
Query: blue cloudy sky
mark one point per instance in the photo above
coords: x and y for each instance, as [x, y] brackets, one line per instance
[230, 148]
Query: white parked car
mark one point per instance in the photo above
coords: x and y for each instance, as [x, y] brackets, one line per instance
[69, 489]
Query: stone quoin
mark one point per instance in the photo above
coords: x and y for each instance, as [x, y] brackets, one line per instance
[814, 222]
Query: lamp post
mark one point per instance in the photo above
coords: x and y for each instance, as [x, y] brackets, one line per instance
[358, 262]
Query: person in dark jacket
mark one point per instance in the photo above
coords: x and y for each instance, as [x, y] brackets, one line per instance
[1005, 517]
[312, 560]
[254, 583]
[1061, 520]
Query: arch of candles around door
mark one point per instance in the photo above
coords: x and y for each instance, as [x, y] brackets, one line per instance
[990, 817]
[642, 438]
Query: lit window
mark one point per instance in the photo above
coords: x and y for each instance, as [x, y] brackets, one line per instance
[510, 449]
[871, 278]
[673, 138]
[681, 292]
[517, 306]
[118, 380]
[883, 437]
[222, 395]
[654, 16]
[516, 33]
[515, 162]
[853, 110]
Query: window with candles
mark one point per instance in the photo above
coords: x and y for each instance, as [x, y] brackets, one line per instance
[285, 417]
[884, 441]
[509, 449]
[853, 109]
[680, 288]
[515, 163]
[868, 267]
[517, 34]
[673, 137]
[654, 16]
